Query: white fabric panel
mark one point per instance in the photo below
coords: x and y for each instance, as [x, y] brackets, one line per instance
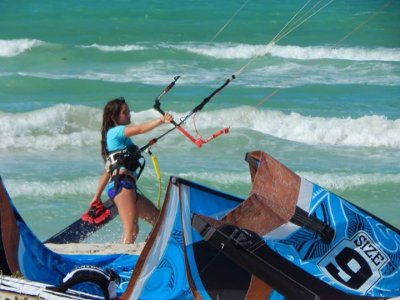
[303, 201]
[156, 253]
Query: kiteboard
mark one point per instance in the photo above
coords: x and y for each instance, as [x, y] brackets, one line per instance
[79, 230]
[22, 289]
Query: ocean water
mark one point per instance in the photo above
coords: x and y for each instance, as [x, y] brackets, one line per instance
[324, 99]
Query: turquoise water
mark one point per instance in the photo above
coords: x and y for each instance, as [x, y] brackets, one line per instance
[324, 99]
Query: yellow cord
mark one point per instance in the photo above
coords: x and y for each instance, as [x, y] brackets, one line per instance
[158, 175]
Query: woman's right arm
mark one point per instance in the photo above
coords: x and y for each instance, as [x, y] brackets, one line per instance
[100, 188]
[132, 130]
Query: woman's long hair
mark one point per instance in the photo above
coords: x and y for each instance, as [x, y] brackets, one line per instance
[111, 114]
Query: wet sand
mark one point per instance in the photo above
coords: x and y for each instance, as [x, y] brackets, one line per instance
[108, 248]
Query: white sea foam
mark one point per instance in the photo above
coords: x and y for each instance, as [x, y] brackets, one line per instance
[154, 73]
[334, 181]
[218, 177]
[287, 74]
[291, 74]
[86, 185]
[247, 51]
[365, 66]
[347, 181]
[367, 131]
[48, 189]
[232, 50]
[56, 127]
[223, 50]
[116, 48]
[344, 53]
[78, 126]
[11, 48]
[50, 128]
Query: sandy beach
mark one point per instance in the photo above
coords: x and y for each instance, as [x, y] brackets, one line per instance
[104, 248]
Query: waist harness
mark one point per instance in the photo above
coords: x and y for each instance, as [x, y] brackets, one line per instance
[130, 158]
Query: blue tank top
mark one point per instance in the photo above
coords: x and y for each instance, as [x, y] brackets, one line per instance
[116, 139]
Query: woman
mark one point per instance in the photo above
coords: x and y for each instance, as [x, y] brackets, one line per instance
[121, 157]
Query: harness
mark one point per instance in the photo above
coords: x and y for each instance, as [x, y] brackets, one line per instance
[108, 280]
[129, 158]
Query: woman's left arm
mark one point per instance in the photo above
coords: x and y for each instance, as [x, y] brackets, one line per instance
[100, 188]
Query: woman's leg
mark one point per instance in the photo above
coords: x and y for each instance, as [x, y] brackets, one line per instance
[128, 211]
[147, 210]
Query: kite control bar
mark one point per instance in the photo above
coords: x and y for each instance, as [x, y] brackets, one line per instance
[199, 141]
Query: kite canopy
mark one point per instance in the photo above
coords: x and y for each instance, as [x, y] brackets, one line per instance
[305, 241]
[289, 238]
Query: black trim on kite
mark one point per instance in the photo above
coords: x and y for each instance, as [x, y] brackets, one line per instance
[5, 269]
[303, 219]
[223, 278]
[249, 250]
[107, 280]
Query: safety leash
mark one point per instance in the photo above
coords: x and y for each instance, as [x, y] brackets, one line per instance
[158, 175]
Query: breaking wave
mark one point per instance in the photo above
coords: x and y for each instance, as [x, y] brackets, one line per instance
[48, 189]
[55, 127]
[366, 131]
[341, 181]
[272, 76]
[246, 51]
[117, 48]
[289, 66]
[86, 185]
[11, 48]
[78, 126]
[14, 47]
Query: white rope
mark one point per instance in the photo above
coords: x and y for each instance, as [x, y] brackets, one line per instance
[289, 27]
[298, 23]
[287, 24]
[229, 21]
